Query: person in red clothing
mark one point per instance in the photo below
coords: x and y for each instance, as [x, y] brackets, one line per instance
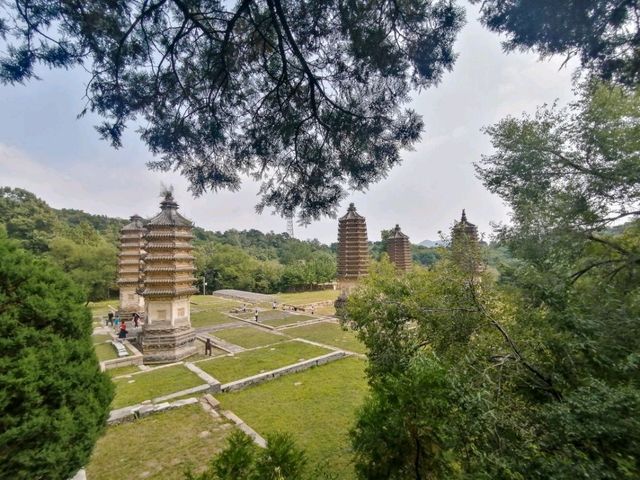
[123, 331]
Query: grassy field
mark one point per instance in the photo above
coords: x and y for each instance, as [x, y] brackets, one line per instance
[291, 319]
[304, 298]
[114, 372]
[155, 383]
[316, 406]
[275, 318]
[248, 337]
[100, 338]
[245, 364]
[102, 308]
[329, 334]
[158, 447]
[198, 301]
[329, 310]
[209, 317]
[105, 351]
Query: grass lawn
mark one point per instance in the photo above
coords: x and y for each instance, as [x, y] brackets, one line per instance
[155, 383]
[316, 406]
[291, 319]
[114, 372]
[210, 300]
[304, 298]
[264, 315]
[102, 308]
[207, 317]
[100, 338]
[245, 364]
[159, 446]
[329, 334]
[105, 351]
[328, 310]
[248, 337]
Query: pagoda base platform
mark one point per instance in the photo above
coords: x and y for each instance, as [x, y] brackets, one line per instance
[167, 345]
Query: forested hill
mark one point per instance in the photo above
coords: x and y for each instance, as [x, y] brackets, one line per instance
[85, 246]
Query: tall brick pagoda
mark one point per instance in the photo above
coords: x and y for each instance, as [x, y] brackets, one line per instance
[353, 249]
[167, 335]
[130, 262]
[399, 250]
[465, 245]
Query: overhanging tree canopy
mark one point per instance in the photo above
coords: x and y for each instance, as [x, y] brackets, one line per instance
[602, 34]
[305, 95]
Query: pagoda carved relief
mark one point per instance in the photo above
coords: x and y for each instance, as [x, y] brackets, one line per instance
[167, 335]
[399, 250]
[353, 248]
[130, 264]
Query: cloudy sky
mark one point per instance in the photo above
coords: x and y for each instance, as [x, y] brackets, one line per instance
[45, 149]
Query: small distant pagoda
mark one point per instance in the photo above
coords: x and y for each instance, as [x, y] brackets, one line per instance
[465, 246]
[130, 263]
[353, 248]
[399, 250]
[167, 335]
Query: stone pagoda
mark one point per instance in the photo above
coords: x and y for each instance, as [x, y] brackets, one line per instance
[353, 248]
[465, 246]
[167, 335]
[130, 262]
[399, 250]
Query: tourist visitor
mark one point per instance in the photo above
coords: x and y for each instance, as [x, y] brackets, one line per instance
[207, 347]
[256, 315]
[123, 331]
[273, 305]
[136, 319]
[116, 321]
[244, 307]
[313, 309]
[110, 319]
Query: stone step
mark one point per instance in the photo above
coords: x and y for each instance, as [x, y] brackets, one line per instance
[122, 350]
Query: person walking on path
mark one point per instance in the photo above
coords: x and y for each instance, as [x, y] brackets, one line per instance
[136, 319]
[207, 347]
[123, 331]
[110, 318]
[116, 322]
[256, 315]
[273, 305]
[313, 309]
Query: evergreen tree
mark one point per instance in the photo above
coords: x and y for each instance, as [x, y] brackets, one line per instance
[307, 96]
[603, 34]
[54, 400]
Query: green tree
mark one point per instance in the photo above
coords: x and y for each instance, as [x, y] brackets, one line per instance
[307, 96]
[242, 459]
[540, 372]
[27, 218]
[54, 401]
[402, 429]
[91, 266]
[603, 34]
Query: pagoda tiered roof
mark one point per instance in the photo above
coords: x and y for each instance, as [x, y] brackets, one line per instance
[399, 249]
[353, 246]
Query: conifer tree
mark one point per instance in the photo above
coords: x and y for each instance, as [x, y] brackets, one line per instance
[54, 400]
